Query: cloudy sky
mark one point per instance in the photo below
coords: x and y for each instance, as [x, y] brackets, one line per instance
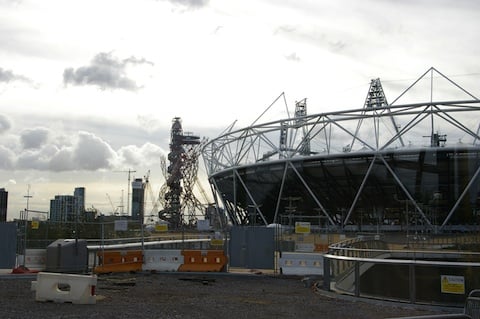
[88, 88]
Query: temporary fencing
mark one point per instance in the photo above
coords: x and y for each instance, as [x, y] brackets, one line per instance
[119, 261]
[301, 263]
[203, 260]
[36, 259]
[162, 260]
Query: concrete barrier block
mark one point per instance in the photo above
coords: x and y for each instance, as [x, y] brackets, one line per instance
[305, 247]
[301, 264]
[36, 259]
[57, 287]
[162, 260]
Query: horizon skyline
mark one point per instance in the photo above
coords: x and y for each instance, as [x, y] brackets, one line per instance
[85, 92]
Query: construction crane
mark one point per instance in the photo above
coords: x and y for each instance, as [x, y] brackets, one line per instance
[154, 201]
[129, 171]
[114, 210]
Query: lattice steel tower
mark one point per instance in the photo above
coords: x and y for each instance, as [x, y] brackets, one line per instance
[181, 175]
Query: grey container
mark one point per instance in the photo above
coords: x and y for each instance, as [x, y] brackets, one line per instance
[67, 256]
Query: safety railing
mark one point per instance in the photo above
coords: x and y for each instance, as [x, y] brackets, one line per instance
[441, 278]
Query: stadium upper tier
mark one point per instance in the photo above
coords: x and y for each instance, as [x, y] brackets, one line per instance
[383, 165]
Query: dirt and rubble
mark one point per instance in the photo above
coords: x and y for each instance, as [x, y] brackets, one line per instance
[180, 295]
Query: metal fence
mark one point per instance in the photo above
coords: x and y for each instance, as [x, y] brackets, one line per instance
[426, 277]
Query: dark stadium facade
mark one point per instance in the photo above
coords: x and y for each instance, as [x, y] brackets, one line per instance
[382, 166]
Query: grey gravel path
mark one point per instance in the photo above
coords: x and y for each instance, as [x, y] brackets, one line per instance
[176, 295]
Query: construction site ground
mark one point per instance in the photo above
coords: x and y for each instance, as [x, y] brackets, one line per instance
[212, 295]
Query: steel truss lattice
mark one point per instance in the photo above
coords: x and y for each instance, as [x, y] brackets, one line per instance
[180, 205]
[395, 155]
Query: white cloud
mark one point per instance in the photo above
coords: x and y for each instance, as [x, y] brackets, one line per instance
[8, 76]
[293, 57]
[62, 160]
[148, 155]
[7, 158]
[190, 3]
[81, 151]
[92, 153]
[34, 138]
[5, 124]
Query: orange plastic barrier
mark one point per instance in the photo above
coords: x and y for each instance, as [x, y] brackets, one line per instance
[321, 247]
[119, 261]
[203, 260]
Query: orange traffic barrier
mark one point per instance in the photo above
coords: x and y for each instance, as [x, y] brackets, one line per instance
[119, 261]
[321, 247]
[203, 260]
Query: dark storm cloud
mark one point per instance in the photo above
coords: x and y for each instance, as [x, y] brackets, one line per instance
[5, 124]
[34, 138]
[8, 76]
[104, 71]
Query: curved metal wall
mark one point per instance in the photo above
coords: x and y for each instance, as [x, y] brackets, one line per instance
[360, 189]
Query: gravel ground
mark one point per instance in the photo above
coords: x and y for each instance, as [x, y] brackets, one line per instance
[180, 295]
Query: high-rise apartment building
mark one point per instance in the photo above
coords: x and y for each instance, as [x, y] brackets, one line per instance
[3, 204]
[61, 208]
[68, 208]
[138, 198]
[79, 202]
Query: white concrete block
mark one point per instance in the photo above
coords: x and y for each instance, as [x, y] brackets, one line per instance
[301, 264]
[162, 259]
[57, 287]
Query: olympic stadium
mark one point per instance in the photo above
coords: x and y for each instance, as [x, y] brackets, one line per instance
[382, 166]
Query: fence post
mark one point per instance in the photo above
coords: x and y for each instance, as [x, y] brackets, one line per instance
[357, 278]
[326, 273]
[411, 283]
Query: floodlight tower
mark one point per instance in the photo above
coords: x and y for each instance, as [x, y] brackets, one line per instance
[177, 178]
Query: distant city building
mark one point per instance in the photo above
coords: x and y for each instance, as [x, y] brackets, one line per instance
[79, 201]
[68, 208]
[61, 208]
[138, 198]
[3, 204]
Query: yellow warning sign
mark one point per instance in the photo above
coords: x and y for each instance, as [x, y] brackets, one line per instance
[452, 284]
[302, 228]
[216, 242]
[35, 224]
[161, 227]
